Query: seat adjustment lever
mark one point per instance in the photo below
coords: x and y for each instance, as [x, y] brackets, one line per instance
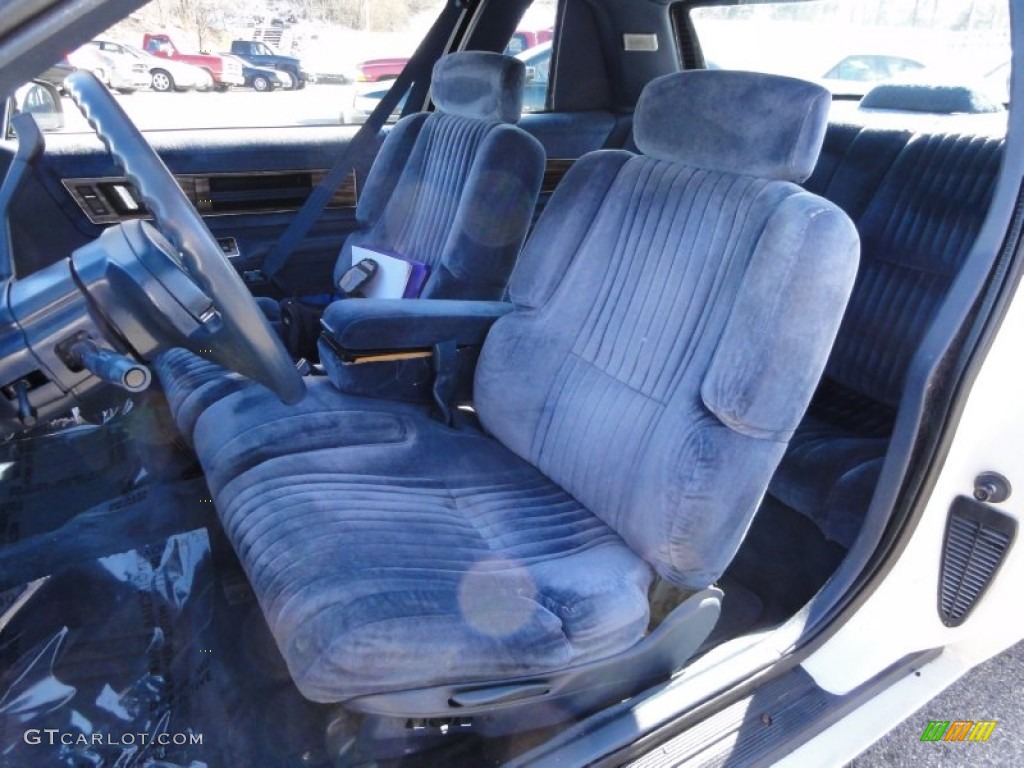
[499, 694]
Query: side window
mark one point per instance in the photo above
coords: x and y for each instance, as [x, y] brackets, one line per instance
[531, 44]
[254, 65]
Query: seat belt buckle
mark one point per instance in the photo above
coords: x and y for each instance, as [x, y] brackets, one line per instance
[254, 277]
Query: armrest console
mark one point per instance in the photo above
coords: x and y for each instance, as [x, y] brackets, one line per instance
[380, 325]
[406, 349]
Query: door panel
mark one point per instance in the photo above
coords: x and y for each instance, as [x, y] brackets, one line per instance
[247, 184]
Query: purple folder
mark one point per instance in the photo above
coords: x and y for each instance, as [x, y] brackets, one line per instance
[417, 279]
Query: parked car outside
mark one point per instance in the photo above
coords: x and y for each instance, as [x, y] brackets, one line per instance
[854, 75]
[380, 70]
[260, 78]
[225, 72]
[260, 55]
[535, 89]
[165, 74]
[871, 67]
[524, 39]
[116, 70]
[55, 74]
[538, 65]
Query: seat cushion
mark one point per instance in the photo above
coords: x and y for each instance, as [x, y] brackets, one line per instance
[438, 555]
[829, 474]
[192, 383]
[671, 324]
[916, 234]
[736, 122]
[834, 460]
[924, 199]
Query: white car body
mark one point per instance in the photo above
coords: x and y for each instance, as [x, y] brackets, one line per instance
[184, 76]
[902, 608]
[118, 71]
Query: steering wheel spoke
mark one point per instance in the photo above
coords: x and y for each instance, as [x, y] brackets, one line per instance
[239, 336]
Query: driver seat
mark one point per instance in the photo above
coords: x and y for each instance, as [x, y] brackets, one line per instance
[672, 314]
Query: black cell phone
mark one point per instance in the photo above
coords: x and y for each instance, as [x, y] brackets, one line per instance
[356, 277]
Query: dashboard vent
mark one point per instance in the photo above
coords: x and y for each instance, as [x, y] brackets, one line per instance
[977, 540]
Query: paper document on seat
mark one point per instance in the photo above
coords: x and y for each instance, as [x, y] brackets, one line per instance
[392, 274]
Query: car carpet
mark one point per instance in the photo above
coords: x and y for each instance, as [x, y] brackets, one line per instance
[47, 477]
[123, 609]
[153, 639]
[147, 513]
[783, 560]
[137, 611]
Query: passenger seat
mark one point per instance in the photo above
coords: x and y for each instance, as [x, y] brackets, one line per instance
[454, 189]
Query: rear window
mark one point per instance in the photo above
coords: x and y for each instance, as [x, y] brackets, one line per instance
[850, 47]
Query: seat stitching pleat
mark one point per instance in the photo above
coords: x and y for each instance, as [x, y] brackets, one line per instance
[599, 320]
[437, 194]
[924, 216]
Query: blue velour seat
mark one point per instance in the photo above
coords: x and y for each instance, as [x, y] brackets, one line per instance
[917, 229]
[454, 189]
[672, 315]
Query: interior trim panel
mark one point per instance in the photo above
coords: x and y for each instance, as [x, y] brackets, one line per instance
[112, 200]
[554, 169]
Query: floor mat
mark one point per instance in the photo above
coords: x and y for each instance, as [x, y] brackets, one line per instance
[784, 560]
[145, 514]
[741, 611]
[46, 479]
[149, 657]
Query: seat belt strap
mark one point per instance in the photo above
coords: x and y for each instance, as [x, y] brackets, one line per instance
[430, 48]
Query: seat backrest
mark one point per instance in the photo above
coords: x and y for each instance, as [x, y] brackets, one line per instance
[456, 188]
[852, 164]
[915, 234]
[673, 313]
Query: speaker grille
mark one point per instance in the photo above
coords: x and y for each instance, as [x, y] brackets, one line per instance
[977, 539]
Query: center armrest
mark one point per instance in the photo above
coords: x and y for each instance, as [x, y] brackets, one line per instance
[401, 324]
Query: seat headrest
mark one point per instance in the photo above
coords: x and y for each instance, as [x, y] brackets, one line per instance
[479, 85]
[926, 97]
[738, 122]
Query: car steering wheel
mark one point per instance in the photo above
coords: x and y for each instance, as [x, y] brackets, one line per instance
[244, 342]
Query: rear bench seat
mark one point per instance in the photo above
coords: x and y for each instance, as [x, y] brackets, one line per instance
[918, 201]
